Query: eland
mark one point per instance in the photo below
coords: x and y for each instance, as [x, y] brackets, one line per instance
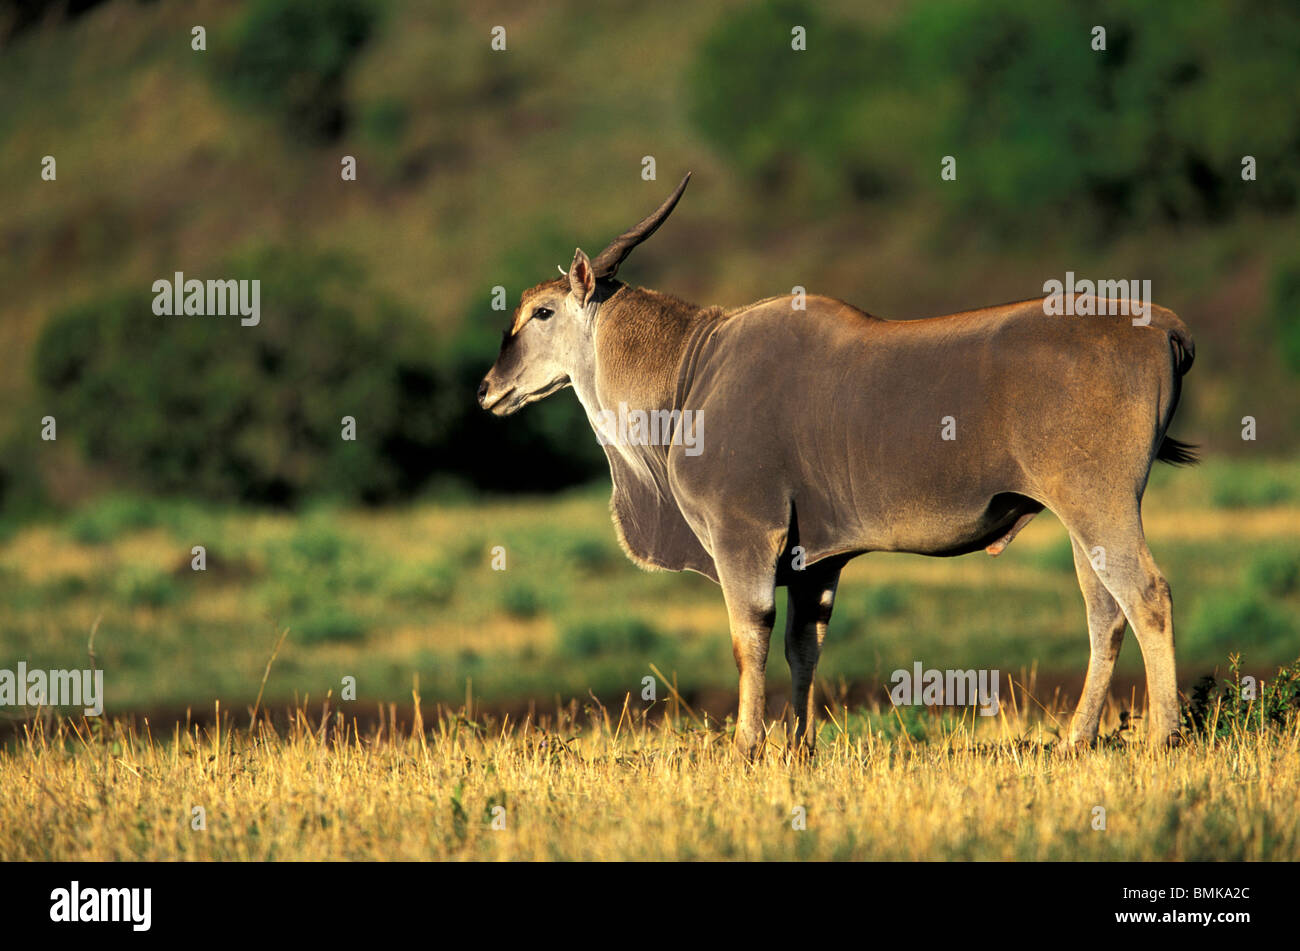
[821, 433]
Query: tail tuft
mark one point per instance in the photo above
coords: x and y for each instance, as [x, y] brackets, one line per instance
[1178, 453]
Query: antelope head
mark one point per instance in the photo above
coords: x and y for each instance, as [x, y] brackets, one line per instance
[550, 340]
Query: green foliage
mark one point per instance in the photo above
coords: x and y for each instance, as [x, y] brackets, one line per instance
[1275, 573]
[904, 721]
[292, 57]
[1223, 708]
[521, 600]
[327, 625]
[106, 519]
[141, 587]
[1059, 556]
[594, 556]
[884, 600]
[1251, 487]
[417, 583]
[21, 489]
[1285, 311]
[318, 544]
[1151, 129]
[775, 112]
[1239, 618]
[210, 408]
[621, 635]
[385, 121]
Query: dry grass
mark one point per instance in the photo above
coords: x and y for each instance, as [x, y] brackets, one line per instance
[605, 785]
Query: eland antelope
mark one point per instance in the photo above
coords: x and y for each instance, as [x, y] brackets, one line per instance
[832, 433]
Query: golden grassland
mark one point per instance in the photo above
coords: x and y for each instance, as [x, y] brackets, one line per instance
[613, 785]
[634, 782]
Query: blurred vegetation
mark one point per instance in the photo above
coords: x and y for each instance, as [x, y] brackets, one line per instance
[479, 169]
[1017, 93]
[383, 595]
[254, 414]
[205, 406]
[291, 57]
[1286, 310]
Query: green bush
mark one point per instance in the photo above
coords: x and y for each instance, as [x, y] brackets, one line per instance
[1039, 112]
[140, 587]
[521, 601]
[1059, 556]
[205, 407]
[420, 583]
[775, 112]
[1221, 708]
[319, 545]
[586, 639]
[884, 600]
[594, 556]
[1256, 486]
[1286, 311]
[1276, 573]
[1239, 618]
[1151, 129]
[327, 626]
[292, 57]
[21, 490]
[105, 519]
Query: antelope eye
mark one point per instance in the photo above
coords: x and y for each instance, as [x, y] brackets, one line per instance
[541, 313]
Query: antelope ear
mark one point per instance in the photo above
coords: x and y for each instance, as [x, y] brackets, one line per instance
[582, 279]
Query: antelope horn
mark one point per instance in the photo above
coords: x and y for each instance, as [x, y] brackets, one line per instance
[606, 263]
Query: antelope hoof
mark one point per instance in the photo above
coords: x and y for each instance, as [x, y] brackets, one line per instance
[749, 744]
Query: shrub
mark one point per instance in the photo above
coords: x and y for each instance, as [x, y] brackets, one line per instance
[885, 600]
[108, 518]
[521, 601]
[594, 556]
[206, 407]
[1250, 487]
[773, 111]
[1286, 311]
[292, 57]
[139, 587]
[1059, 556]
[421, 583]
[319, 545]
[587, 639]
[1276, 573]
[327, 626]
[1016, 92]
[1223, 708]
[1239, 618]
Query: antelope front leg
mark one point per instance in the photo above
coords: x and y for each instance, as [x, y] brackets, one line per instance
[751, 614]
